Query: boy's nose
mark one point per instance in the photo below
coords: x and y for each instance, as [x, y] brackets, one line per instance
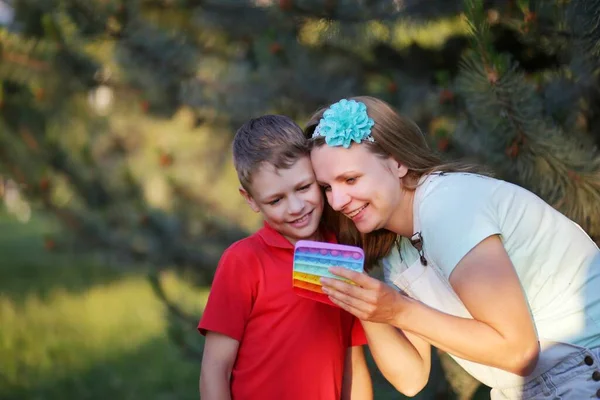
[295, 205]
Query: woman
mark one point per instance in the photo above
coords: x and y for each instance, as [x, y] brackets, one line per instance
[478, 267]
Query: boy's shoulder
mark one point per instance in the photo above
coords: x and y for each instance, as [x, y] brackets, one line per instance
[250, 255]
[257, 243]
[241, 247]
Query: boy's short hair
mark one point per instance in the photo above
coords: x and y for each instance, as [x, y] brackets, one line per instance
[273, 139]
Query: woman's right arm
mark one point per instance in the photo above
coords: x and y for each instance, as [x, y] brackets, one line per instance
[403, 358]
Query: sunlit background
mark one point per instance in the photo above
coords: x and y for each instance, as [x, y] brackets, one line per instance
[117, 191]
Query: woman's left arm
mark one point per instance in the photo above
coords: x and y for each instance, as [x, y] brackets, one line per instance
[501, 333]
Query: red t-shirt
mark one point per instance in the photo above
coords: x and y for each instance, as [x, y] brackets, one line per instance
[290, 347]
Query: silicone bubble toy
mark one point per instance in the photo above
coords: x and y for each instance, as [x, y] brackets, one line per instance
[312, 261]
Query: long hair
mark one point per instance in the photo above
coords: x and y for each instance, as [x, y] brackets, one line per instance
[400, 138]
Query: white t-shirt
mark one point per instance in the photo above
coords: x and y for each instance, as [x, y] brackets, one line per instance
[556, 261]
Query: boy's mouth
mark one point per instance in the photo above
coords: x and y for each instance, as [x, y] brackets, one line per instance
[302, 220]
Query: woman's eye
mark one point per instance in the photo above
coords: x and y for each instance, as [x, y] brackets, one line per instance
[350, 181]
[326, 188]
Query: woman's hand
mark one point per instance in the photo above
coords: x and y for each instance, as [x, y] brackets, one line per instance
[369, 300]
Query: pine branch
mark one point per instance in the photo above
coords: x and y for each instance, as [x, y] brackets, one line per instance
[156, 63]
[374, 10]
[25, 60]
[165, 240]
[505, 116]
[181, 323]
[160, 292]
[160, 248]
[585, 23]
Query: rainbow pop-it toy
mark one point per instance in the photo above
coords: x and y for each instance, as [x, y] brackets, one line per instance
[312, 261]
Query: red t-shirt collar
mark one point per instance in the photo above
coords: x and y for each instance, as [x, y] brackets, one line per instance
[275, 239]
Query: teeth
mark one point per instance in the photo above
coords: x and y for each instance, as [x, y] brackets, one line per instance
[355, 212]
[301, 219]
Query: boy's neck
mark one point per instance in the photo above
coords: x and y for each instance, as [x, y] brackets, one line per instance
[317, 237]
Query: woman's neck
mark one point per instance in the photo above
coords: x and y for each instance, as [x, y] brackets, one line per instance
[401, 221]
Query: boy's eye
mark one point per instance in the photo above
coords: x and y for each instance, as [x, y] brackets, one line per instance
[273, 202]
[305, 187]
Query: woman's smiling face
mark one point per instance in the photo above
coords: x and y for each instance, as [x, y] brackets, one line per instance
[360, 184]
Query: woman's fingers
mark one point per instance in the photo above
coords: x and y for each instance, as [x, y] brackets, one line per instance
[369, 300]
[366, 288]
[360, 279]
[353, 305]
[345, 288]
[352, 310]
[352, 298]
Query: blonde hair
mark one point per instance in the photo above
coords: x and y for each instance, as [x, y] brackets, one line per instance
[400, 138]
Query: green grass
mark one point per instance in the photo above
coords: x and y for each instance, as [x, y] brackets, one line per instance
[72, 328]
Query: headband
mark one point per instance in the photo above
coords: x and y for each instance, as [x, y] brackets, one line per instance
[344, 122]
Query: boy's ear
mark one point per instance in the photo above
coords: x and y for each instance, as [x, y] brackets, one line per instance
[249, 199]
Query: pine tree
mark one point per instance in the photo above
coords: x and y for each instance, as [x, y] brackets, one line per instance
[511, 83]
[539, 128]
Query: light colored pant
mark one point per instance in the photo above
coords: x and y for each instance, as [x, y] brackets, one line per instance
[577, 377]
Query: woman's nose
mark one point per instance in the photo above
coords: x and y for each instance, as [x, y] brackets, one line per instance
[339, 199]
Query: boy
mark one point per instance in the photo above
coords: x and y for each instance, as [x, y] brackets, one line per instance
[262, 340]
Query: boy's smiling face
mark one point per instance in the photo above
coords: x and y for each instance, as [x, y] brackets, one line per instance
[289, 199]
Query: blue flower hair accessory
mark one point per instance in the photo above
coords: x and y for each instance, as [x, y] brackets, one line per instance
[344, 122]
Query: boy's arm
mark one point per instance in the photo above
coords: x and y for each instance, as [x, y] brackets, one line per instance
[356, 384]
[224, 319]
[220, 352]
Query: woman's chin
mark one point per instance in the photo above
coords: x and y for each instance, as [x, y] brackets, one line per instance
[364, 226]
